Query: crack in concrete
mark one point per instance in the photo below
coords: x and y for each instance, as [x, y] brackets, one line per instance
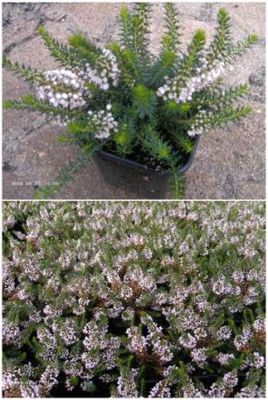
[26, 39]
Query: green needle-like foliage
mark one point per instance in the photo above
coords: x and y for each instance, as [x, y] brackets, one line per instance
[152, 142]
[171, 39]
[84, 49]
[222, 41]
[135, 35]
[144, 101]
[221, 117]
[28, 74]
[57, 50]
[230, 115]
[189, 61]
[221, 99]
[242, 46]
[141, 32]
[177, 183]
[127, 63]
[124, 99]
[124, 138]
[186, 144]
[126, 33]
[169, 56]
[31, 103]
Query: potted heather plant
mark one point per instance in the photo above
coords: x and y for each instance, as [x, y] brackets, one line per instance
[130, 106]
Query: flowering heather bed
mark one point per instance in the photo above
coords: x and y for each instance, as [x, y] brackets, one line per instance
[134, 299]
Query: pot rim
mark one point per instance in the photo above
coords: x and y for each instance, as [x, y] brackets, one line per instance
[136, 165]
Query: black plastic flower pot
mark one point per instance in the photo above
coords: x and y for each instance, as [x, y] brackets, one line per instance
[140, 180]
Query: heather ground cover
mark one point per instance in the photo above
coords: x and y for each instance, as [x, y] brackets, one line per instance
[131, 299]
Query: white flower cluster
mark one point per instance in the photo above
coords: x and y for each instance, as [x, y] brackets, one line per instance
[94, 336]
[204, 77]
[223, 387]
[134, 240]
[258, 360]
[152, 345]
[238, 276]
[139, 282]
[30, 390]
[8, 277]
[169, 261]
[49, 343]
[198, 127]
[162, 350]
[224, 333]
[241, 341]
[124, 259]
[259, 325]
[10, 333]
[189, 390]
[64, 89]
[100, 348]
[126, 385]
[181, 91]
[103, 122]
[69, 88]
[90, 361]
[20, 383]
[199, 356]
[106, 71]
[11, 379]
[231, 378]
[138, 343]
[188, 341]
[160, 347]
[66, 331]
[224, 359]
[48, 378]
[161, 389]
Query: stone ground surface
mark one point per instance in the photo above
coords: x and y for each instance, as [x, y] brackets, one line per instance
[230, 162]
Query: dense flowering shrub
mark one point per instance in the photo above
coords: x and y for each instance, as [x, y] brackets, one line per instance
[125, 100]
[134, 299]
